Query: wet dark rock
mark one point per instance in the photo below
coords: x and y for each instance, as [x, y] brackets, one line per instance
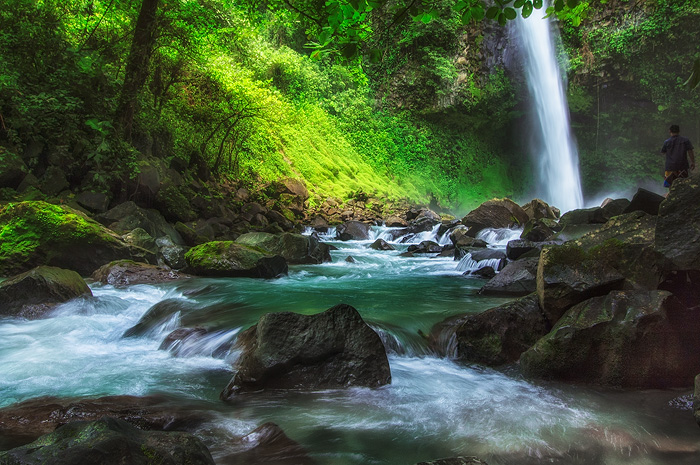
[538, 209]
[646, 201]
[683, 284]
[53, 181]
[496, 213]
[425, 221]
[579, 216]
[634, 339]
[159, 313]
[12, 169]
[127, 272]
[381, 244]
[566, 275]
[24, 422]
[517, 278]
[425, 247]
[460, 238]
[519, 247]
[350, 259]
[109, 441]
[677, 234]
[128, 216]
[320, 224]
[189, 235]
[171, 254]
[184, 342]
[140, 238]
[395, 222]
[609, 209]
[175, 202]
[252, 210]
[537, 231]
[333, 349]
[230, 259]
[95, 202]
[277, 217]
[269, 445]
[407, 254]
[486, 272]
[352, 231]
[487, 254]
[494, 337]
[295, 248]
[33, 293]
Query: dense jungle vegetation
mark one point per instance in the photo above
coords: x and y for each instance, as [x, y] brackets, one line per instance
[240, 94]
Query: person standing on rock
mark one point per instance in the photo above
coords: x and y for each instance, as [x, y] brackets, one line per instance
[678, 150]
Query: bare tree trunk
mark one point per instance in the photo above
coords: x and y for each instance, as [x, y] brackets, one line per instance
[137, 65]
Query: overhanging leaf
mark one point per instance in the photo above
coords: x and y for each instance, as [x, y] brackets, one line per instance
[492, 12]
[509, 13]
[527, 10]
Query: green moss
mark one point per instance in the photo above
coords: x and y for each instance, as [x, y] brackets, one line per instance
[36, 227]
[566, 255]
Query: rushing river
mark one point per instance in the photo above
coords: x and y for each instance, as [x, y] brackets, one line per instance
[433, 408]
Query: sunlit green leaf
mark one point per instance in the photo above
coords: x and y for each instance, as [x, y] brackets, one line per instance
[518, 3]
[466, 17]
[537, 4]
[509, 13]
[478, 12]
[527, 10]
[502, 20]
[558, 5]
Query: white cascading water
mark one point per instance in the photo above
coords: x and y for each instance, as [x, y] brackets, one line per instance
[559, 181]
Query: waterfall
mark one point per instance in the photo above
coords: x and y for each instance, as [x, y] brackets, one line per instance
[559, 181]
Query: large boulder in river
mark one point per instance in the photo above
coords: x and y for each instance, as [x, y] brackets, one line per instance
[567, 275]
[127, 272]
[635, 339]
[109, 441]
[352, 231]
[494, 337]
[295, 248]
[626, 244]
[230, 259]
[677, 232]
[33, 293]
[496, 213]
[333, 349]
[381, 244]
[24, 422]
[39, 233]
[516, 279]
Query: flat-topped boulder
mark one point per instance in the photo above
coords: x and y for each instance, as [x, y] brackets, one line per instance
[635, 339]
[567, 275]
[231, 259]
[496, 213]
[31, 294]
[517, 279]
[109, 441]
[329, 350]
[37, 233]
[295, 248]
[352, 231]
[121, 273]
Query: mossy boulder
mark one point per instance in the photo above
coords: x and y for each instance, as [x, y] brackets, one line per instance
[538, 209]
[635, 339]
[128, 216]
[295, 248]
[677, 232]
[109, 441]
[329, 350]
[31, 294]
[38, 233]
[495, 213]
[231, 259]
[567, 275]
[494, 337]
[127, 272]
